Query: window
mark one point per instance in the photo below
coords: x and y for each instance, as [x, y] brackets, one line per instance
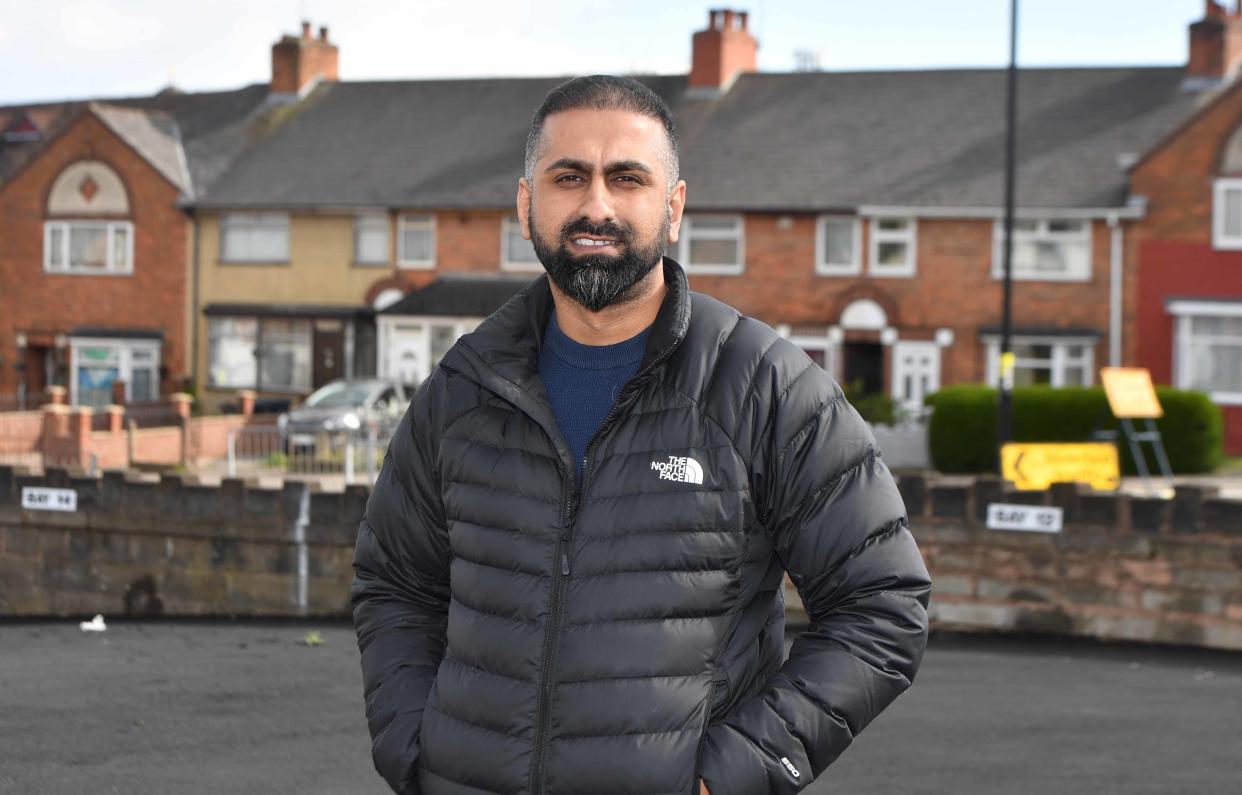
[254, 237]
[837, 246]
[259, 353]
[88, 247]
[1208, 348]
[231, 345]
[371, 239]
[516, 252]
[98, 362]
[892, 247]
[1055, 250]
[416, 241]
[712, 244]
[284, 354]
[1227, 214]
[1056, 361]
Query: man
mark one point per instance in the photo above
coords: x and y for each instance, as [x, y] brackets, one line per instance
[569, 574]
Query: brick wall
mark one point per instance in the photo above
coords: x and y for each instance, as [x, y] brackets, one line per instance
[137, 548]
[1124, 567]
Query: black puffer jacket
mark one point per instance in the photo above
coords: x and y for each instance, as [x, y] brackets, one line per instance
[521, 635]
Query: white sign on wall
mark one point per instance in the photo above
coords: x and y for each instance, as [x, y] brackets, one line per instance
[1035, 518]
[36, 498]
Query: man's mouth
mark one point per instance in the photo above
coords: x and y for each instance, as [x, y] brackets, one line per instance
[585, 243]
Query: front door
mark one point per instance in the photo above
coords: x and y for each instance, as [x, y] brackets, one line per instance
[916, 373]
[328, 352]
[863, 361]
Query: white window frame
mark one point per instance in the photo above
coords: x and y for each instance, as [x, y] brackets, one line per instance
[852, 268]
[909, 236]
[1219, 239]
[65, 226]
[241, 219]
[415, 332]
[1185, 312]
[1042, 233]
[511, 225]
[124, 347]
[419, 221]
[737, 233]
[363, 217]
[1058, 364]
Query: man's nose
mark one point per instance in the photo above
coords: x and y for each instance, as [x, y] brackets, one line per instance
[597, 203]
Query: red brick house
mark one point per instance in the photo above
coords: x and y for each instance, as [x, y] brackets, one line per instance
[1186, 254]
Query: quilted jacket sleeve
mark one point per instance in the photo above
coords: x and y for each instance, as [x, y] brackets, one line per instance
[839, 526]
[400, 591]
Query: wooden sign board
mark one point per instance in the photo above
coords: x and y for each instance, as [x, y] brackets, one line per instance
[1036, 466]
[1130, 393]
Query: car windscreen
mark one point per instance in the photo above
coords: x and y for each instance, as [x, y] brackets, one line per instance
[340, 393]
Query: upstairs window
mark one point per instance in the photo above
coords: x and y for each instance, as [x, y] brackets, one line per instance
[712, 244]
[88, 247]
[254, 237]
[516, 252]
[837, 246]
[416, 241]
[371, 239]
[1227, 214]
[1045, 249]
[892, 250]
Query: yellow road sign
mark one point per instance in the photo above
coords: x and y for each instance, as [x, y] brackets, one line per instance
[1130, 393]
[1035, 466]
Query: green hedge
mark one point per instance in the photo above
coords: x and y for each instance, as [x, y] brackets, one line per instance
[962, 428]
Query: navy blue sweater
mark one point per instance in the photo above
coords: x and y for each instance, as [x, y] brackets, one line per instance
[583, 381]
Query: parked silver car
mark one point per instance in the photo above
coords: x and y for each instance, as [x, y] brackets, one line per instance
[344, 406]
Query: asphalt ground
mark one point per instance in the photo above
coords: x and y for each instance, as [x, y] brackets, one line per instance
[224, 707]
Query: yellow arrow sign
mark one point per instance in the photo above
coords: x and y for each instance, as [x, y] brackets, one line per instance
[1035, 466]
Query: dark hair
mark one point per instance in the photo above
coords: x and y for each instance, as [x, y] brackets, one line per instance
[603, 92]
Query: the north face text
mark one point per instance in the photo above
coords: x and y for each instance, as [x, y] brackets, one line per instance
[680, 469]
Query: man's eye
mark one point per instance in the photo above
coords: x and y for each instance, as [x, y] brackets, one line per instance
[629, 178]
[566, 177]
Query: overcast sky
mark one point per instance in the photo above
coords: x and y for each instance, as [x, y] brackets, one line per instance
[57, 49]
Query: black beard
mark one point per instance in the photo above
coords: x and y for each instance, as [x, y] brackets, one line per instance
[599, 280]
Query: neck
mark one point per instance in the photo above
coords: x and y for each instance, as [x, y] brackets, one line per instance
[615, 323]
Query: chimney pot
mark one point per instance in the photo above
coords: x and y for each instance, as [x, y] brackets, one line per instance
[306, 26]
[722, 51]
[323, 32]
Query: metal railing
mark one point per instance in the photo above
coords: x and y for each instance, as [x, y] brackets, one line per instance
[354, 455]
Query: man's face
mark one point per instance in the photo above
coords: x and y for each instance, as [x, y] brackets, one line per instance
[599, 212]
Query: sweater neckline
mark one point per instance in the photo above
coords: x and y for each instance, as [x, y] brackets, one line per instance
[594, 357]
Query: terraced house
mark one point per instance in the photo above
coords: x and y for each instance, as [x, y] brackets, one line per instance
[364, 225]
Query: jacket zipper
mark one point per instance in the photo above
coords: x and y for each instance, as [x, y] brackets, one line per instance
[559, 576]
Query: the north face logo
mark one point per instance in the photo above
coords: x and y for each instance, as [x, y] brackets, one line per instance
[680, 469]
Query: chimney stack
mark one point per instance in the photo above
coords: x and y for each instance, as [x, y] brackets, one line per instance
[1216, 43]
[723, 51]
[298, 63]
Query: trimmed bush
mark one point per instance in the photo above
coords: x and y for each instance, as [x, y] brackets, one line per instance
[962, 428]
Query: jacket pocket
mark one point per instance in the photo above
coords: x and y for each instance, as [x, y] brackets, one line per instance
[717, 694]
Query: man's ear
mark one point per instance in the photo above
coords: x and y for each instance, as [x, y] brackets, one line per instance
[523, 206]
[676, 206]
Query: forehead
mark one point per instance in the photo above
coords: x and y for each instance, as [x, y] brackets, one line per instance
[599, 136]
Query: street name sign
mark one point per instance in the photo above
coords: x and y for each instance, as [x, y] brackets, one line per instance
[1034, 518]
[36, 498]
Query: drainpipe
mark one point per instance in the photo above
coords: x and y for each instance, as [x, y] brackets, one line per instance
[194, 305]
[1114, 292]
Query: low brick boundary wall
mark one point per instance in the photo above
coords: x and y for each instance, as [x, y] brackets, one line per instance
[1123, 567]
[142, 548]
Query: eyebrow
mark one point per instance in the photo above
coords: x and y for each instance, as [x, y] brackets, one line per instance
[611, 168]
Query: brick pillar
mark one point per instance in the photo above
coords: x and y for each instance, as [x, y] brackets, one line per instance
[55, 420]
[116, 418]
[57, 395]
[245, 399]
[181, 404]
[80, 433]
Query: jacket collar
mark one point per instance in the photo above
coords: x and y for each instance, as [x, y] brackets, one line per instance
[502, 354]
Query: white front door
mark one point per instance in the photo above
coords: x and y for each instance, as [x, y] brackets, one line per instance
[407, 355]
[916, 373]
